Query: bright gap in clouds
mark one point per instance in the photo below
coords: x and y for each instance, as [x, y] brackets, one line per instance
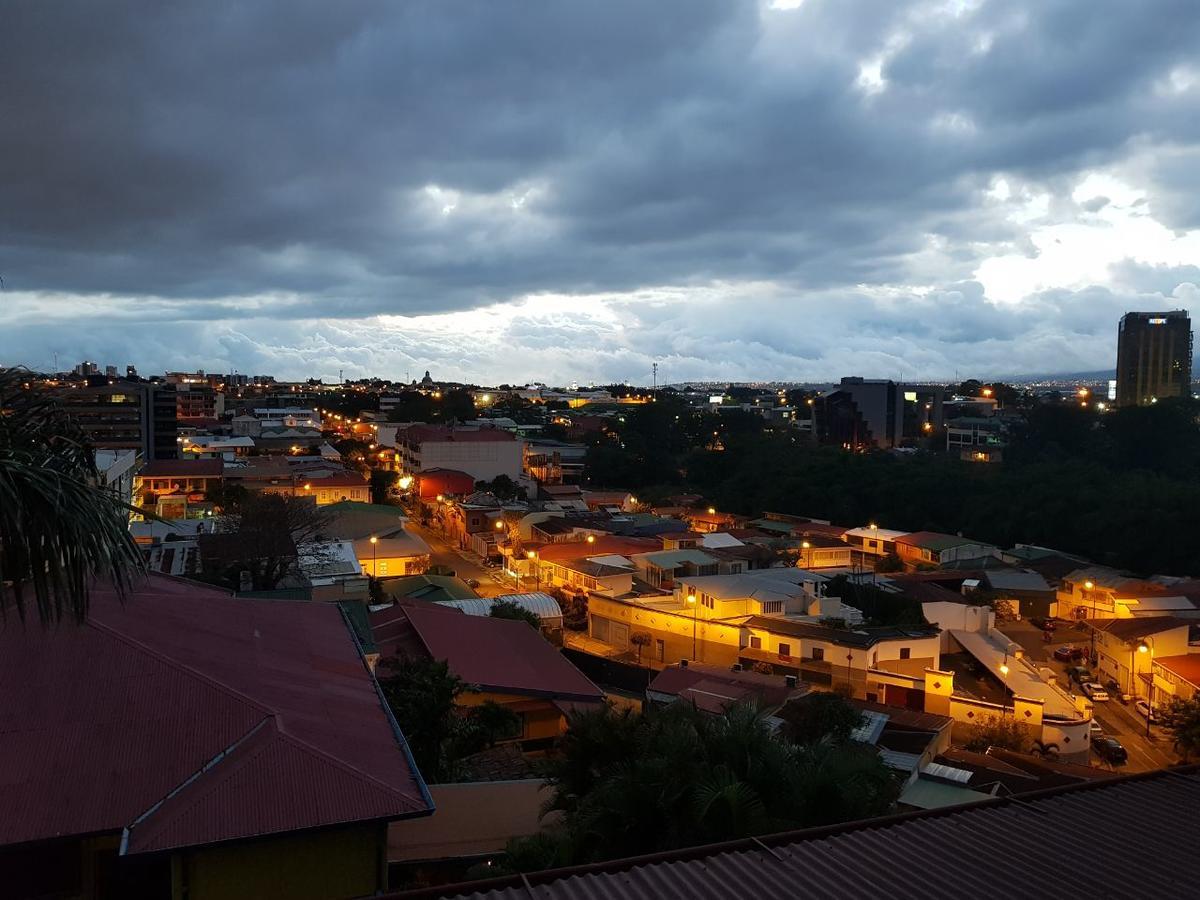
[1110, 222]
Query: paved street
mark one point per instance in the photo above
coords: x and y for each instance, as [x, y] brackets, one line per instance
[1117, 720]
[492, 582]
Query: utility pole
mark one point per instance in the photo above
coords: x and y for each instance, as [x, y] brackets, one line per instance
[654, 368]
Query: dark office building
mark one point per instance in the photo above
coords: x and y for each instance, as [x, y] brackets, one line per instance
[1154, 357]
[127, 415]
[879, 413]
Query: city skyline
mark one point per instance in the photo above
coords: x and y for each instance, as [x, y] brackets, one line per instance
[914, 189]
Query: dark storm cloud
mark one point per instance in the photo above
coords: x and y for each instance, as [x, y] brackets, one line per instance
[287, 161]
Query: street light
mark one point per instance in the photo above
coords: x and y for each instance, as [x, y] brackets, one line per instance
[806, 556]
[537, 576]
[1145, 647]
[1004, 665]
[374, 557]
[691, 599]
[1087, 589]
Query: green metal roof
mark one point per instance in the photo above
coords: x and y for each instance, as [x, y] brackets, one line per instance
[429, 587]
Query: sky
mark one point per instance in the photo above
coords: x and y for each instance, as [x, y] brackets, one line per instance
[561, 191]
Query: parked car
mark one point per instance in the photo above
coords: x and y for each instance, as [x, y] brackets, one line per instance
[1145, 710]
[1115, 690]
[1079, 674]
[1042, 623]
[1110, 750]
[1094, 730]
[1063, 654]
[1095, 692]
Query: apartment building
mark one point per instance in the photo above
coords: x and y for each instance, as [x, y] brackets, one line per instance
[126, 415]
[482, 453]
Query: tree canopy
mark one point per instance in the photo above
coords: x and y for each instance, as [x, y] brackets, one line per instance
[1181, 720]
[510, 609]
[423, 696]
[629, 783]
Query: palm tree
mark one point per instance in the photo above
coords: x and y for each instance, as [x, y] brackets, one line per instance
[59, 530]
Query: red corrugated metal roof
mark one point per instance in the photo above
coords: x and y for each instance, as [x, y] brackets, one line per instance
[996, 848]
[100, 722]
[498, 654]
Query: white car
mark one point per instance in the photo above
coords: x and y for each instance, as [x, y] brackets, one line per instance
[1145, 710]
[1094, 730]
[1095, 692]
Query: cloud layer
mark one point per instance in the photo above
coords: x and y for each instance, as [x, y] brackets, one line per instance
[571, 191]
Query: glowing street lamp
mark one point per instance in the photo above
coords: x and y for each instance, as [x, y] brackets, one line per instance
[537, 575]
[374, 556]
[691, 599]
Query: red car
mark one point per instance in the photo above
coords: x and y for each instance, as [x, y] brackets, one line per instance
[1067, 654]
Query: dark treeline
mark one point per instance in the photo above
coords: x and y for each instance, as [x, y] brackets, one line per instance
[1121, 488]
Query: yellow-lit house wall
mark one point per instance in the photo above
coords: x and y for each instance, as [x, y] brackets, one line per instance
[540, 718]
[1121, 660]
[341, 863]
[393, 565]
[612, 621]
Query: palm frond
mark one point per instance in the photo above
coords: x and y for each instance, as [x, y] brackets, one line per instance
[59, 531]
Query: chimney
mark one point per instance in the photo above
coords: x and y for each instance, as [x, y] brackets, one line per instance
[736, 667]
[683, 663]
[790, 681]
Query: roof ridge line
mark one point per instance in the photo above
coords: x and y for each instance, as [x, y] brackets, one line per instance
[342, 764]
[191, 779]
[183, 667]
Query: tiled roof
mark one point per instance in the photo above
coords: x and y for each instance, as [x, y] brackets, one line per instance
[712, 688]
[100, 722]
[1133, 629]
[996, 848]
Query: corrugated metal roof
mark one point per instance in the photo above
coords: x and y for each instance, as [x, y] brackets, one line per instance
[949, 773]
[541, 604]
[499, 654]
[925, 794]
[100, 722]
[994, 849]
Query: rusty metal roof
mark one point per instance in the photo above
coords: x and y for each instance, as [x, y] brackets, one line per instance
[998, 848]
[185, 716]
[496, 654]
